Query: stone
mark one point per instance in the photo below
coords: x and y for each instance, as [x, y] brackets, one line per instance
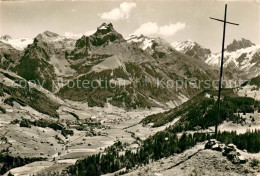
[210, 143]
[242, 159]
[218, 147]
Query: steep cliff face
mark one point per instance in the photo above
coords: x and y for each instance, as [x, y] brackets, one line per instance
[44, 60]
[9, 56]
[239, 44]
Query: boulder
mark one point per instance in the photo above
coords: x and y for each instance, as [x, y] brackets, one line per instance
[228, 149]
[211, 143]
[232, 146]
[218, 147]
[242, 159]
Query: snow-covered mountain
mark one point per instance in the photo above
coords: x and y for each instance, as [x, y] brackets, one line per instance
[106, 54]
[192, 49]
[17, 43]
[106, 70]
[244, 61]
[143, 41]
[139, 61]
[242, 57]
[157, 47]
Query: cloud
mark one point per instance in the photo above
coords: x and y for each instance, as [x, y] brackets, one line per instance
[151, 28]
[147, 29]
[171, 29]
[120, 13]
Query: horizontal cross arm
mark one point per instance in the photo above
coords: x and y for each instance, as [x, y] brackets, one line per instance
[223, 21]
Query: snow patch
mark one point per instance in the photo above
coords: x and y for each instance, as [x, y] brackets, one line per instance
[232, 57]
[182, 98]
[103, 28]
[19, 43]
[183, 46]
[145, 42]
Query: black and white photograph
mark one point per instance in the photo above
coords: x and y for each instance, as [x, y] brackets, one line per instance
[130, 87]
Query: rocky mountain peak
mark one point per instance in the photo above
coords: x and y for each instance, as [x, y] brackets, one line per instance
[107, 31]
[50, 34]
[142, 41]
[103, 36]
[47, 35]
[136, 38]
[105, 28]
[5, 37]
[157, 47]
[192, 49]
[184, 46]
[239, 44]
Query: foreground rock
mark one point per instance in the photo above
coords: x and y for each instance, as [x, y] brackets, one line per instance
[230, 151]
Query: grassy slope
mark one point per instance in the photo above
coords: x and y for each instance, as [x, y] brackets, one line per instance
[200, 111]
[254, 81]
[30, 97]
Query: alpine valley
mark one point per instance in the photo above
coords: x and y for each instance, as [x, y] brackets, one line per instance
[108, 105]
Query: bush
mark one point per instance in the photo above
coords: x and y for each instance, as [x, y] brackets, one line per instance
[25, 123]
[2, 109]
[66, 132]
[254, 163]
[16, 121]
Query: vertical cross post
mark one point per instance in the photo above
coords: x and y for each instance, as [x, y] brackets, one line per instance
[221, 66]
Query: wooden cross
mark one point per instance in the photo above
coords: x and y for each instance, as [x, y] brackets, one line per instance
[221, 65]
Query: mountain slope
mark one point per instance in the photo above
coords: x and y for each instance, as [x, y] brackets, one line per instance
[254, 82]
[174, 61]
[44, 60]
[241, 57]
[140, 63]
[150, 68]
[15, 89]
[199, 112]
[9, 56]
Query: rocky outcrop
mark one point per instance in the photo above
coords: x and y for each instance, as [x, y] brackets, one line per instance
[239, 44]
[103, 36]
[9, 56]
[5, 37]
[195, 161]
[230, 151]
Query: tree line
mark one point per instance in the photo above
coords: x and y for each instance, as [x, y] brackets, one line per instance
[162, 144]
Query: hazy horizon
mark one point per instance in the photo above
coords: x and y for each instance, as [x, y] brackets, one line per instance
[174, 21]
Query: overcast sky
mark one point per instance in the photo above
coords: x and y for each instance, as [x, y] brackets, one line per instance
[171, 20]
